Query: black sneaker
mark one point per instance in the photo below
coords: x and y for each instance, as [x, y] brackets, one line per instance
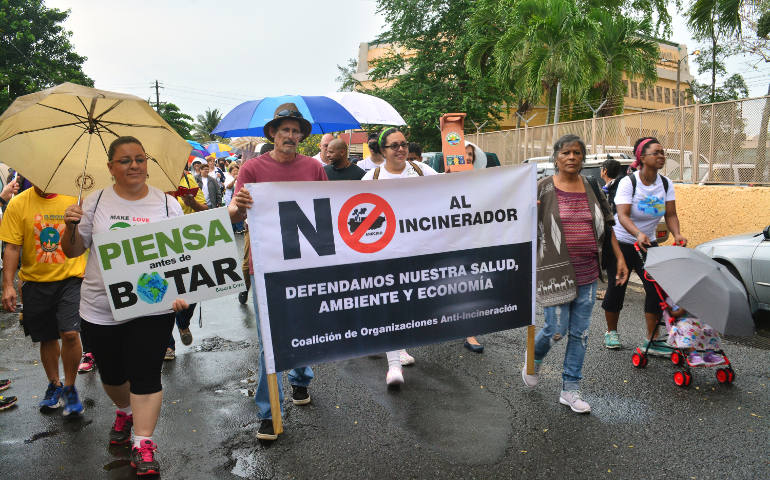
[186, 335]
[243, 297]
[265, 431]
[121, 429]
[5, 383]
[143, 459]
[7, 402]
[299, 395]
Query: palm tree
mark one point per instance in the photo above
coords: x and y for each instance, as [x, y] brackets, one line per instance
[623, 49]
[542, 43]
[205, 124]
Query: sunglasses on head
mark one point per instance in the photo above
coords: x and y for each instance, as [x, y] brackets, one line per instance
[289, 113]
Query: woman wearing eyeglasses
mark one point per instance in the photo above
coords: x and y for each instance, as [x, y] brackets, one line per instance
[395, 148]
[641, 199]
[129, 353]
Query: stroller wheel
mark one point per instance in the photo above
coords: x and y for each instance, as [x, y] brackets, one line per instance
[638, 359]
[730, 375]
[682, 379]
[722, 375]
[676, 359]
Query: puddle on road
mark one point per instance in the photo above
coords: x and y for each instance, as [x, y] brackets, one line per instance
[38, 436]
[434, 405]
[219, 344]
[245, 459]
[250, 463]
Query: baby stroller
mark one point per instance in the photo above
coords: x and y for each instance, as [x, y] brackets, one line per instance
[679, 357]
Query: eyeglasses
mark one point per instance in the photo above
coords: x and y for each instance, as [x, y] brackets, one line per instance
[289, 113]
[397, 146]
[127, 161]
[656, 153]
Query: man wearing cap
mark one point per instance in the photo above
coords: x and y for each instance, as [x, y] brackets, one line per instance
[282, 164]
[324, 145]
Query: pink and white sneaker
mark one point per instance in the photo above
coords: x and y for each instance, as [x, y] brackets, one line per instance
[86, 363]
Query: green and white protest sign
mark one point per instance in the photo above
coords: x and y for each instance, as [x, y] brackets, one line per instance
[146, 267]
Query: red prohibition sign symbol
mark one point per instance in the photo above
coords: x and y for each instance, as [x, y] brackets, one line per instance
[353, 240]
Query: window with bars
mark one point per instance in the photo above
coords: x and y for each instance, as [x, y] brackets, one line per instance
[659, 92]
[668, 95]
[651, 94]
[625, 85]
[642, 92]
[634, 90]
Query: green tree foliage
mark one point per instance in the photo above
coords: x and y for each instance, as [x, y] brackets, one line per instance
[586, 46]
[733, 88]
[345, 78]
[435, 80]
[178, 120]
[310, 146]
[205, 124]
[713, 21]
[35, 50]
[624, 48]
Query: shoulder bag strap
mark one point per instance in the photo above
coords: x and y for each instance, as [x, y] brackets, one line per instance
[416, 168]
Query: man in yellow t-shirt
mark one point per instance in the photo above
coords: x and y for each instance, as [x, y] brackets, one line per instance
[50, 282]
[191, 203]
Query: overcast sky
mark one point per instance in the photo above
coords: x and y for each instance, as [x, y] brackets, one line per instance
[219, 54]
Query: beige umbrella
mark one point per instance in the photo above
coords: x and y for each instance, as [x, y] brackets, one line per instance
[58, 138]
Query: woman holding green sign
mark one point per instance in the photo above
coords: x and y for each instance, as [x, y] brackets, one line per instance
[129, 353]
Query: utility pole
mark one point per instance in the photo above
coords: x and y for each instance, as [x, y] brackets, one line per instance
[157, 96]
[555, 130]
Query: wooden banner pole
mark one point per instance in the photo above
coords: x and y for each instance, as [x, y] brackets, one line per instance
[530, 350]
[275, 403]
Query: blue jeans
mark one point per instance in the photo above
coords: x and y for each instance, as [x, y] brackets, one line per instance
[300, 376]
[571, 319]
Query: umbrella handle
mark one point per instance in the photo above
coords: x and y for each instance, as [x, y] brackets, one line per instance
[74, 231]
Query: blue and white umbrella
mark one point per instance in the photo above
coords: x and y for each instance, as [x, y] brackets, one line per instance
[249, 118]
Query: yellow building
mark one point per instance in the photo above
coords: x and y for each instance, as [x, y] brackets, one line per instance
[662, 95]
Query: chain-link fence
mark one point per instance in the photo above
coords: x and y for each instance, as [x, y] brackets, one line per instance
[724, 142]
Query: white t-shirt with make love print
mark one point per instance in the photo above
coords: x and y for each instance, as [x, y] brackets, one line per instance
[113, 212]
[647, 206]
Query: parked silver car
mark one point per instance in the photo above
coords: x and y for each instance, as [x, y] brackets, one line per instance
[748, 258]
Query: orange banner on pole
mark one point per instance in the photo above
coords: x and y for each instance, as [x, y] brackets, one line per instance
[453, 142]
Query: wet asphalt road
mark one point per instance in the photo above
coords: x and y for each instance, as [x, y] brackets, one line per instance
[459, 415]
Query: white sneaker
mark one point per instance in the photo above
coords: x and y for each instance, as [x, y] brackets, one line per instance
[573, 400]
[405, 358]
[529, 380]
[395, 376]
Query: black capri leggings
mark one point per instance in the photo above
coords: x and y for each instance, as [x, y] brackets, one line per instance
[613, 299]
[132, 351]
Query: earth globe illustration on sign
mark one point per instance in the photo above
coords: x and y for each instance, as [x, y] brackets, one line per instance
[49, 239]
[151, 287]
